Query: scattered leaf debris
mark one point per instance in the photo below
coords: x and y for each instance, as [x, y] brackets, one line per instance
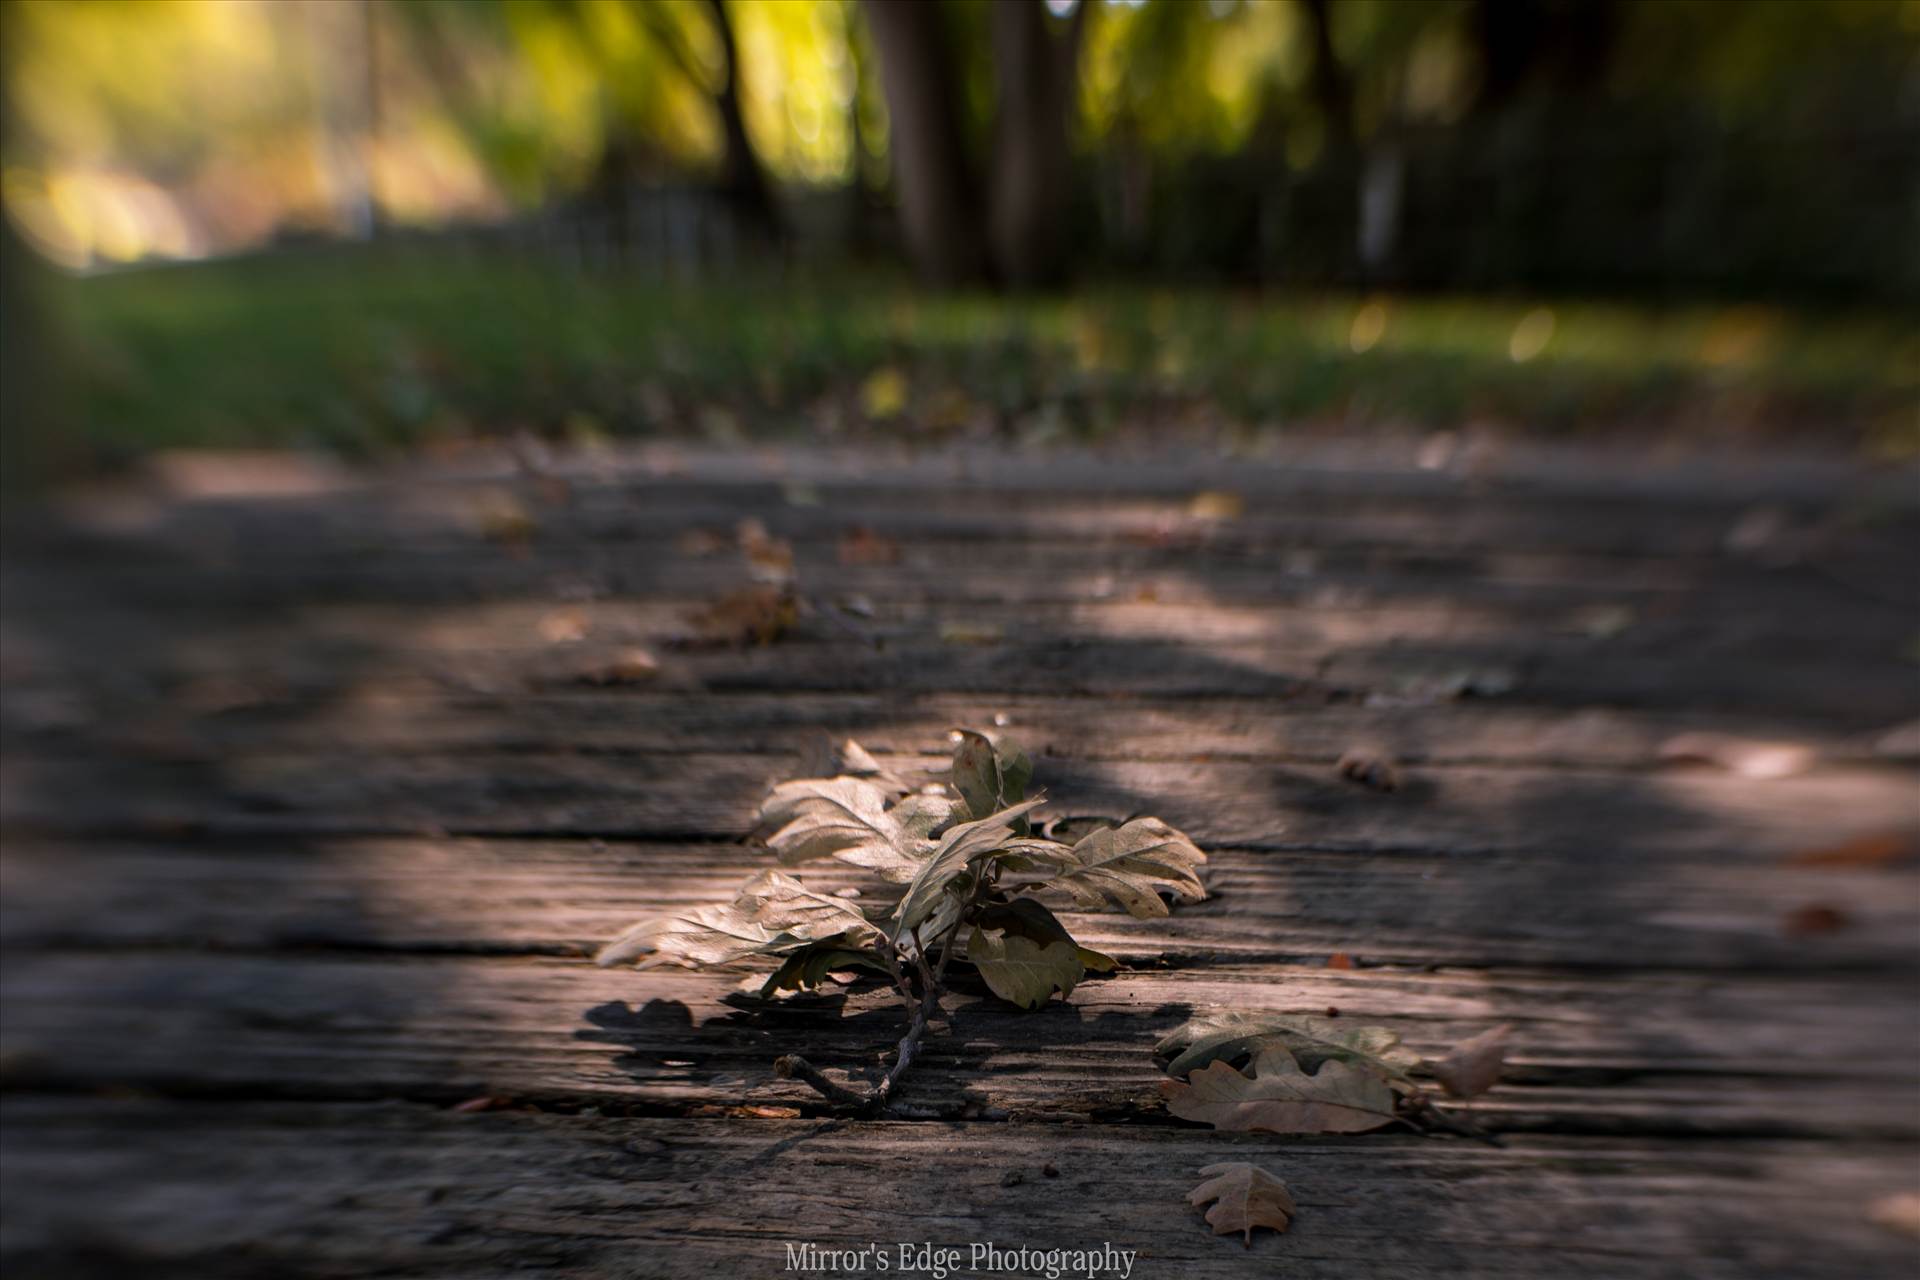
[563, 626]
[971, 633]
[1868, 852]
[1747, 757]
[628, 666]
[862, 546]
[751, 616]
[1814, 919]
[1371, 768]
[1216, 504]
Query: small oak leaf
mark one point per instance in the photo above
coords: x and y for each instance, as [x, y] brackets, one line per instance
[1244, 1197]
[1232, 1037]
[1279, 1097]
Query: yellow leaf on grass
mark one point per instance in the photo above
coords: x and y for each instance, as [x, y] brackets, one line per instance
[884, 393]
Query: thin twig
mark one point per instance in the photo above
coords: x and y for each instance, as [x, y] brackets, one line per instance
[1424, 1116]
[793, 1066]
[874, 1100]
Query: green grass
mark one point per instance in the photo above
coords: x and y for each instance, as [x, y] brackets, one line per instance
[372, 351]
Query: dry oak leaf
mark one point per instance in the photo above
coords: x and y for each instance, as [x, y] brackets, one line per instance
[1130, 864]
[1281, 1098]
[773, 914]
[1473, 1066]
[952, 858]
[1246, 1197]
[1023, 971]
[842, 818]
[1232, 1036]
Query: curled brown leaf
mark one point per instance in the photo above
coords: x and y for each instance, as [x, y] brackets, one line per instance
[1473, 1066]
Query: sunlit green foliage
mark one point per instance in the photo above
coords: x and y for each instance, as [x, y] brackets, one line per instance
[180, 127]
[368, 352]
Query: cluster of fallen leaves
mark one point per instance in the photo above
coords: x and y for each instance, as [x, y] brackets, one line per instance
[959, 864]
[754, 615]
[1281, 1073]
[964, 859]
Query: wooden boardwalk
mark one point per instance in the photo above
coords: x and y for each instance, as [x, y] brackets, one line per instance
[314, 813]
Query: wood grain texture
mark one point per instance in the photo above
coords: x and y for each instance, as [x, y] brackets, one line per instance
[1687, 1053]
[310, 824]
[566, 897]
[1465, 811]
[244, 1189]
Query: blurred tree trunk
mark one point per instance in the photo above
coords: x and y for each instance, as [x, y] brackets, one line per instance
[1035, 73]
[939, 198]
[1332, 88]
[1568, 44]
[743, 179]
[36, 440]
[27, 437]
[1337, 176]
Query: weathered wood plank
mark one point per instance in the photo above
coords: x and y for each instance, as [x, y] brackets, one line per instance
[567, 897]
[232, 716]
[1467, 810]
[1379, 507]
[137, 1187]
[240, 576]
[1331, 624]
[1676, 1054]
[1862, 692]
[1383, 652]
